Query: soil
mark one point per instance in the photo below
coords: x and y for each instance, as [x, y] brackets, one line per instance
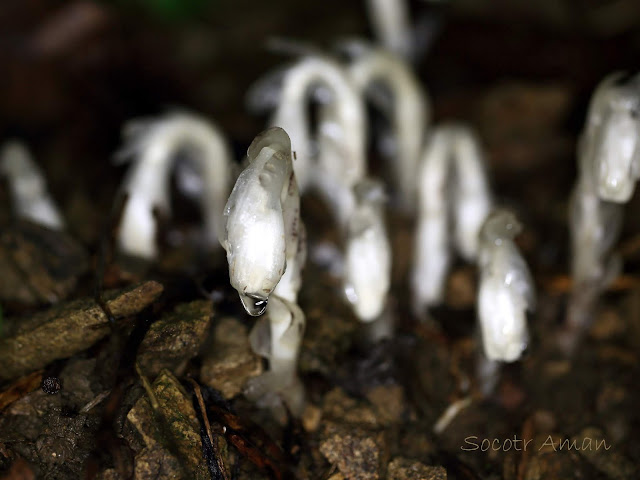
[111, 369]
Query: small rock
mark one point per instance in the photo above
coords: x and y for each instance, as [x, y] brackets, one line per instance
[230, 361]
[175, 338]
[405, 469]
[357, 452]
[66, 329]
[339, 406]
[51, 385]
[168, 429]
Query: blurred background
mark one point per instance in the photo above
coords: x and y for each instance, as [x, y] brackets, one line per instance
[520, 72]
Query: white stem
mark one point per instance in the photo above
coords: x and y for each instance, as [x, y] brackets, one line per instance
[409, 113]
[390, 19]
[452, 158]
[472, 197]
[31, 200]
[278, 339]
[153, 146]
[342, 129]
[432, 257]
[595, 226]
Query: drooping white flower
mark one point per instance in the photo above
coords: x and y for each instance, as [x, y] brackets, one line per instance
[608, 168]
[263, 231]
[266, 250]
[451, 173]
[506, 290]
[153, 147]
[610, 146]
[30, 198]
[368, 253]
[376, 70]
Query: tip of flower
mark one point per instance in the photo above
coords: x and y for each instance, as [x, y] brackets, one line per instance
[255, 305]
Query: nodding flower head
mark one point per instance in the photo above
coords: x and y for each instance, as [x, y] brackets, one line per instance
[153, 147]
[610, 146]
[506, 289]
[31, 200]
[368, 252]
[262, 227]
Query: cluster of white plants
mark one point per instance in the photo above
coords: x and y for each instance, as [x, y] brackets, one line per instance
[332, 162]
[438, 176]
[263, 234]
[453, 190]
[29, 195]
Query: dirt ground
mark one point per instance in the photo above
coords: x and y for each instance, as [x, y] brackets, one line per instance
[110, 371]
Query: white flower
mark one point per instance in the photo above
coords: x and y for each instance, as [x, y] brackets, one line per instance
[376, 71]
[368, 253]
[452, 153]
[263, 229]
[153, 147]
[506, 290]
[31, 200]
[610, 146]
[608, 168]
